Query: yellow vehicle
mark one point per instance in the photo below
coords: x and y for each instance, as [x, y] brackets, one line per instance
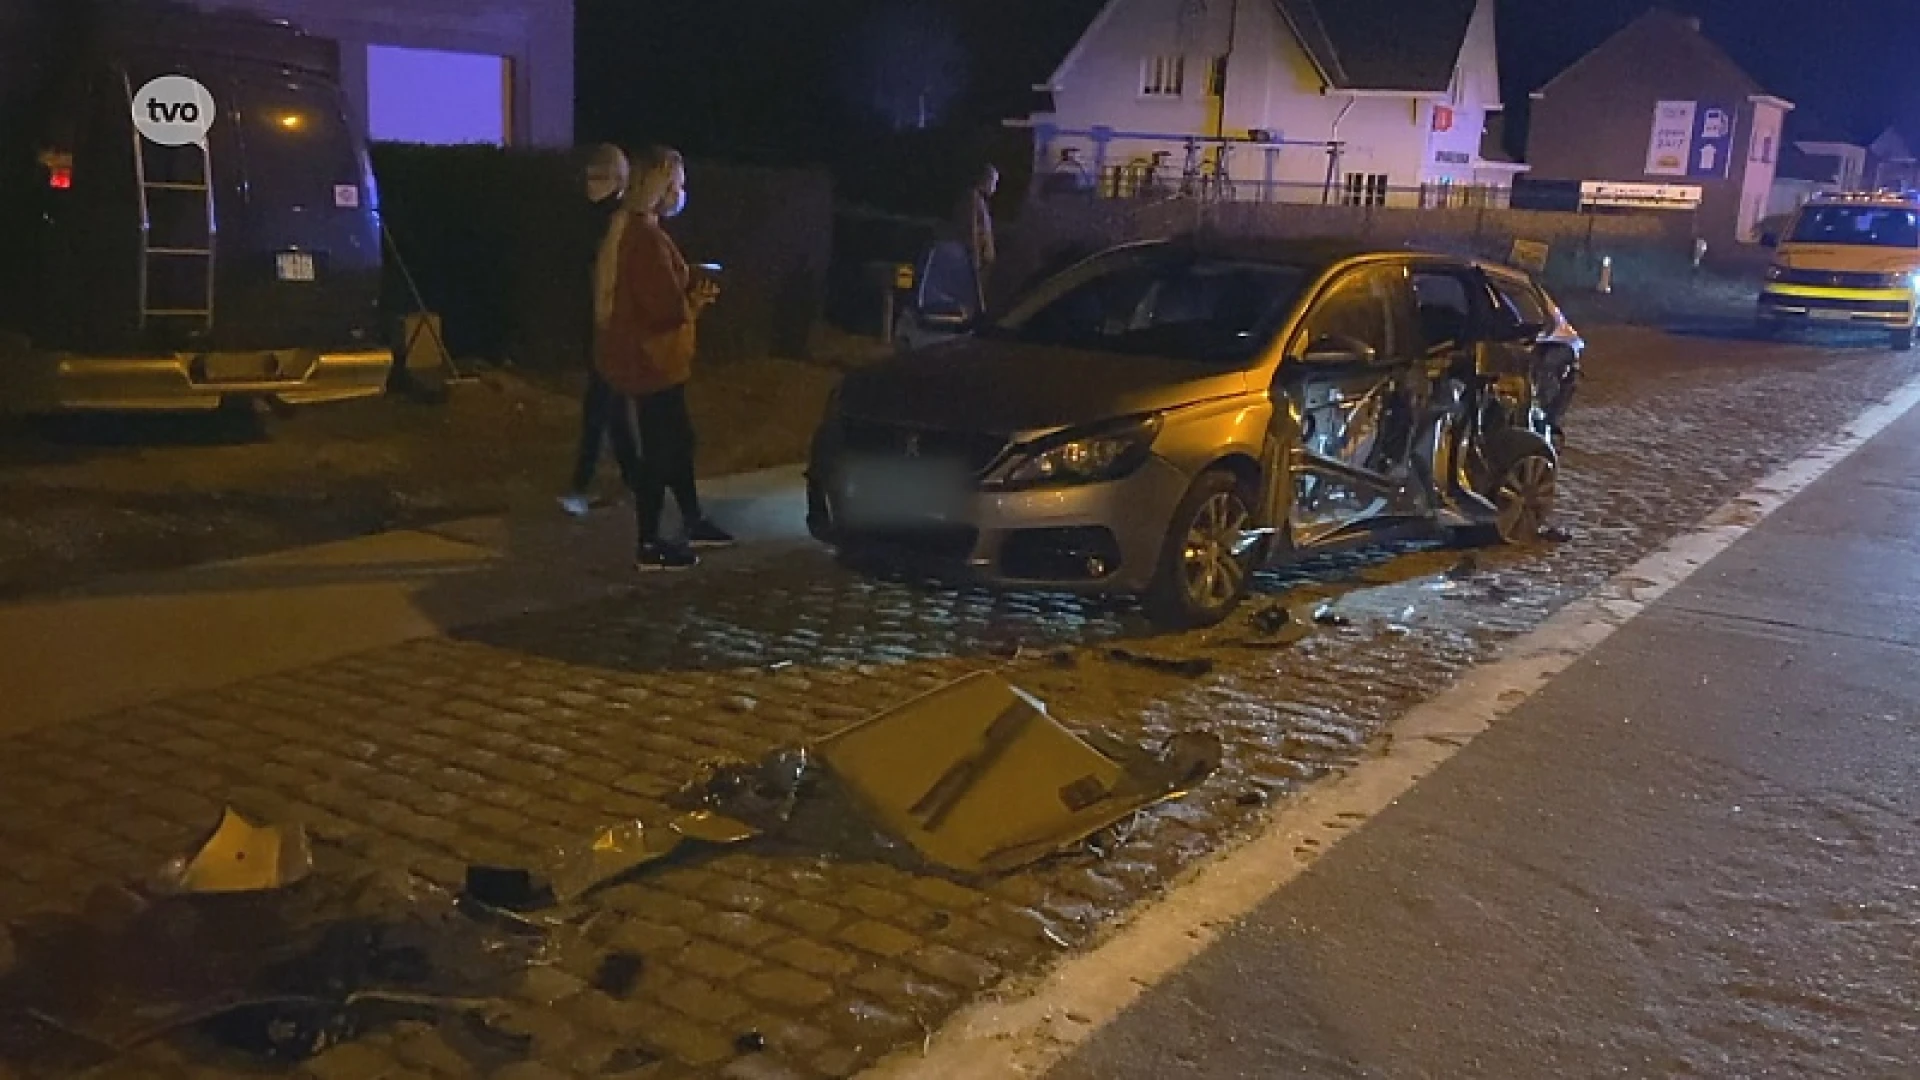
[1847, 261]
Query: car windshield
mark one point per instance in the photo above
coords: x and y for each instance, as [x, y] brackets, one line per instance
[1870, 226]
[1218, 311]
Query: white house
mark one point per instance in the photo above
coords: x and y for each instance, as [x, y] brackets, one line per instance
[1381, 102]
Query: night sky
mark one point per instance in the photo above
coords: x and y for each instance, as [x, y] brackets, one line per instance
[1853, 63]
[795, 79]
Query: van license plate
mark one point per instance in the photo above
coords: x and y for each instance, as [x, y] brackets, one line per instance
[294, 265]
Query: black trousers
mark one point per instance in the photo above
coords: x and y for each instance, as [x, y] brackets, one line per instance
[666, 460]
[605, 416]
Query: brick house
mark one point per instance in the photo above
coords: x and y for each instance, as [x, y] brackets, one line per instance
[1659, 105]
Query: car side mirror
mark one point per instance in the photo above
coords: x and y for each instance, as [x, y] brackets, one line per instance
[1769, 240]
[1525, 333]
[1334, 349]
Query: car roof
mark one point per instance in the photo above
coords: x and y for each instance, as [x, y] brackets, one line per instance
[1318, 253]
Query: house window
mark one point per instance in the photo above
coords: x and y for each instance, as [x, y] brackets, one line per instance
[1217, 78]
[1366, 189]
[445, 98]
[1163, 76]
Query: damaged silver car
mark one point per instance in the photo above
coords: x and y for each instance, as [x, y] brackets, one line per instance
[1167, 417]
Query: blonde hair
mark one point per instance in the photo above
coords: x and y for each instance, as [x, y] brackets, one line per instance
[655, 171]
[657, 168]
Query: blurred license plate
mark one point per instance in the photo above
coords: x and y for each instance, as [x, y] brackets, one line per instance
[294, 266]
[902, 490]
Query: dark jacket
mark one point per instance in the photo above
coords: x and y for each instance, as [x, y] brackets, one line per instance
[599, 216]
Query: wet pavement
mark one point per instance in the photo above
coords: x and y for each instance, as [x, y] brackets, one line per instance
[813, 958]
[1693, 854]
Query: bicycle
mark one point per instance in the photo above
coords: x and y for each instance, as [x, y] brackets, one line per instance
[1207, 179]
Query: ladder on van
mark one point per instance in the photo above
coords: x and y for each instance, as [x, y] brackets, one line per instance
[185, 190]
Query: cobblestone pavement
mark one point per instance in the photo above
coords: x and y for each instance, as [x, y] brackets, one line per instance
[501, 745]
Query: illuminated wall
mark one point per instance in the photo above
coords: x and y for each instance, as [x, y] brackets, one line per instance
[435, 96]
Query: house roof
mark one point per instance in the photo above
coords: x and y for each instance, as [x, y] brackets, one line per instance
[1662, 25]
[1411, 46]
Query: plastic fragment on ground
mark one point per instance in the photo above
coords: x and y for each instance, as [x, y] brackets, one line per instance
[978, 778]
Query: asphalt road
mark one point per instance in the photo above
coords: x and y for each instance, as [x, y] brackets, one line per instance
[1696, 853]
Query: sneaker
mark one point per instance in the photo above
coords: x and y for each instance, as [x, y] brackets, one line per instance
[704, 534]
[658, 556]
[576, 505]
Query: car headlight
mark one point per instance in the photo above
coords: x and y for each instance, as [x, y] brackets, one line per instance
[1090, 457]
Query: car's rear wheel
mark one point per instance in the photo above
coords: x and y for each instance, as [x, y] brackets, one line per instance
[1204, 564]
[1524, 497]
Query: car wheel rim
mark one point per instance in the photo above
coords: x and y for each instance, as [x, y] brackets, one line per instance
[1526, 498]
[1214, 574]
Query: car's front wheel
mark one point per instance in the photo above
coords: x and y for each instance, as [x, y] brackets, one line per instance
[1204, 564]
[1902, 339]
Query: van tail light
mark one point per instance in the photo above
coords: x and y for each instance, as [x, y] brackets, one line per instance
[59, 166]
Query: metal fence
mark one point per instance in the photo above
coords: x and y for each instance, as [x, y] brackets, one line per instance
[1145, 182]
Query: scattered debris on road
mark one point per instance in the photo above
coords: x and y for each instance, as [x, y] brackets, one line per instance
[618, 974]
[1192, 667]
[978, 778]
[1325, 615]
[1557, 534]
[239, 856]
[245, 943]
[1278, 626]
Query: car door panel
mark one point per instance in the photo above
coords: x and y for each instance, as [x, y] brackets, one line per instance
[1346, 434]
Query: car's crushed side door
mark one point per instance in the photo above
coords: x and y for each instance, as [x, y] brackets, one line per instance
[1340, 401]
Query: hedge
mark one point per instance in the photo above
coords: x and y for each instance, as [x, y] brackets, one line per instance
[501, 242]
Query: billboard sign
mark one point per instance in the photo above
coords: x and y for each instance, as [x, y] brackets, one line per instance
[1692, 139]
[1640, 196]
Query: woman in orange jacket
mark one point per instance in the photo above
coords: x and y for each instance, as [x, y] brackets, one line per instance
[646, 307]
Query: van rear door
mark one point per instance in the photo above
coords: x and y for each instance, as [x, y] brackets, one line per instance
[300, 249]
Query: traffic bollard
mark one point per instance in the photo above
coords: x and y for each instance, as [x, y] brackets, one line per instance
[1606, 275]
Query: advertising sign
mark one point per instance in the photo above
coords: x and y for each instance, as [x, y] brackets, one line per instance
[1692, 139]
[1640, 196]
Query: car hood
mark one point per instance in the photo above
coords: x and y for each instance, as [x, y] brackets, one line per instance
[1848, 258]
[1011, 389]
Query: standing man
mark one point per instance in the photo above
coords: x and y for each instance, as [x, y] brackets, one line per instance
[975, 221]
[605, 416]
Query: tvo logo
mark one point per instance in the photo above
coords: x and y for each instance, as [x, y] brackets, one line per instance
[174, 110]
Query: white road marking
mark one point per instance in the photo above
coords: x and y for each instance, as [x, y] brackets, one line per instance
[1027, 1033]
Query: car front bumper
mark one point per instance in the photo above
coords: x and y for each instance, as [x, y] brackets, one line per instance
[64, 382]
[1798, 304]
[1104, 537]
